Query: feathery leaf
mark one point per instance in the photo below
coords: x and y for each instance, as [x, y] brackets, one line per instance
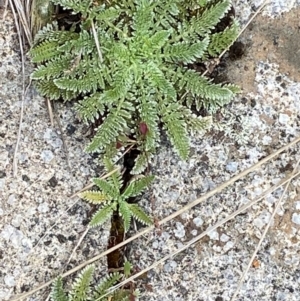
[57, 292]
[81, 287]
[124, 211]
[138, 213]
[137, 186]
[101, 216]
[94, 197]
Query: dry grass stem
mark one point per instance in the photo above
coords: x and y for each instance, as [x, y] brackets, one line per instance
[50, 111]
[233, 298]
[22, 22]
[78, 244]
[24, 90]
[97, 42]
[266, 2]
[175, 214]
[206, 232]
[22, 10]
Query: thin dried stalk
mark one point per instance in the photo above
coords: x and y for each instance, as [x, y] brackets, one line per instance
[24, 90]
[204, 233]
[233, 298]
[22, 8]
[172, 216]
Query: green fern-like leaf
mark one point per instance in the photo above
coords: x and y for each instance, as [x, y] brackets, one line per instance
[57, 292]
[81, 287]
[157, 79]
[45, 32]
[47, 88]
[91, 107]
[138, 213]
[195, 123]
[44, 51]
[127, 269]
[177, 132]
[128, 61]
[88, 82]
[222, 40]
[101, 216]
[141, 163]
[107, 14]
[112, 126]
[204, 23]
[82, 290]
[94, 197]
[124, 211]
[78, 6]
[107, 188]
[205, 93]
[137, 186]
[52, 69]
[199, 124]
[109, 281]
[158, 40]
[186, 53]
[81, 43]
[143, 17]
[149, 115]
[115, 178]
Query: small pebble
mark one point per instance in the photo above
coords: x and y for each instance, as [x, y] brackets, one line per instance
[43, 207]
[224, 237]
[7, 232]
[23, 157]
[9, 280]
[198, 221]
[4, 160]
[214, 235]
[155, 244]
[56, 143]
[258, 222]
[232, 166]
[229, 245]
[170, 266]
[16, 238]
[47, 156]
[70, 129]
[11, 199]
[266, 140]
[296, 218]
[180, 231]
[48, 134]
[16, 221]
[53, 182]
[25, 178]
[194, 232]
[284, 119]
[297, 205]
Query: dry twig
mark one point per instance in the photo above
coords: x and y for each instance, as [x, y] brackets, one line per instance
[175, 214]
[233, 298]
[206, 232]
[24, 90]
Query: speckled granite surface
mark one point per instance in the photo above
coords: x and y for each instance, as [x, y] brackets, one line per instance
[263, 118]
[36, 200]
